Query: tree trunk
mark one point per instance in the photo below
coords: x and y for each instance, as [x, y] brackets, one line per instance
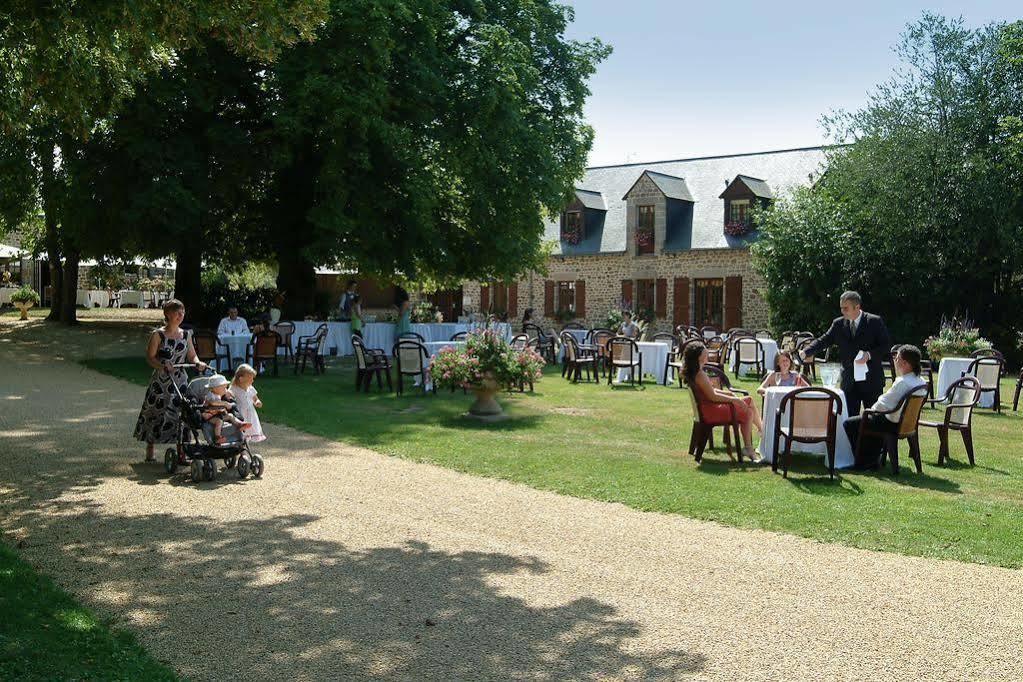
[188, 280]
[296, 279]
[69, 295]
[52, 238]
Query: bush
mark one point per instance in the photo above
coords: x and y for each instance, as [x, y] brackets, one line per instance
[485, 353]
[25, 294]
[217, 297]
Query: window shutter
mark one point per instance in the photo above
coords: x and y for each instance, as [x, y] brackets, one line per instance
[733, 302]
[681, 302]
[548, 298]
[513, 300]
[580, 298]
[484, 298]
[661, 299]
[627, 293]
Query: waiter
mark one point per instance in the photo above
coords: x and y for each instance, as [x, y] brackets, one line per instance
[862, 341]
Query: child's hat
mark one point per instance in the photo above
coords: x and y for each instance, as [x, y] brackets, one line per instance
[217, 380]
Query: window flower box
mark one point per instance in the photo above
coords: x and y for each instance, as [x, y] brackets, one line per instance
[738, 228]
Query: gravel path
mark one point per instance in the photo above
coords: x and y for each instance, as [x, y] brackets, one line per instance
[345, 564]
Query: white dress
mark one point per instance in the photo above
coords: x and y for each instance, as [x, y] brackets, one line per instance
[246, 404]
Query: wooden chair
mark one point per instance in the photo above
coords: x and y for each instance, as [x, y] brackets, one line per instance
[704, 424]
[1019, 388]
[412, 360]
[310, 347]
[577, 359]
[623, 353]
[262, 348]
[210, 349]
[988, 371]
[813, 418]
[749, 351]
[908, 429]
[460, 336]
[286, 330]
[370, 362]
[962, 396]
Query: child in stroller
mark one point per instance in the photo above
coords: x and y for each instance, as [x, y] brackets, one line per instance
[218, 407]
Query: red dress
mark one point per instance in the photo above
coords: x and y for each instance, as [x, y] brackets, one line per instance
[720, 413]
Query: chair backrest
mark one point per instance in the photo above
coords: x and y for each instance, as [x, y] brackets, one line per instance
[963, 396]
[205, 343]
[591, 335]
[360, 352]
[665, 337]
[749, 349]
[285, 329]
[622, 351]
[708, 332]
[411, 356]
[718, 379]
[534, 330]
[413, 335]
[988, 370]
[265, 343]
[788, 341]
[813, 411]
[460, 336]
[518, 342]
[912, 403]
[569, 343]
[763, 334]
[987, 353]
[736, 332]
[599, 339]
[714, 342]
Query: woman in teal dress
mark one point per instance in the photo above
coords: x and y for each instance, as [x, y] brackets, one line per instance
[404, 325]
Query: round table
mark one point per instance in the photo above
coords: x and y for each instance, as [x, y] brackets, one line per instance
[772, 401]
[236, 345]
[951, 369]
[655, 358]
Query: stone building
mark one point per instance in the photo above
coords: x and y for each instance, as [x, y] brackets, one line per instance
[669, 240]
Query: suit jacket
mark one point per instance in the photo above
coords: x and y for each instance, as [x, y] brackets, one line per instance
[871, 336]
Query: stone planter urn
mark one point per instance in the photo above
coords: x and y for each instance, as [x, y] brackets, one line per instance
[486, 404]
[23, 306]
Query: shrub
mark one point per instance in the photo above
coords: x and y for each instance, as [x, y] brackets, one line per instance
[486, 353]
[25, 294]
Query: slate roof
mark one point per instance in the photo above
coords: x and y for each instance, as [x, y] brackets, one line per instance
[591, 199]
[757, 186]
[670, 186]
[704, 178]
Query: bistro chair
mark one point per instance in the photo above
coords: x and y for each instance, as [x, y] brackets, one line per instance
[412, 335]
[665, 337]
[808, 366]
[370, 362]
[812, 418]
[576, 359]
[908, 429]
[715, 350]
[286, 330]
[989, 371]
[709, 332]
[991, 353]
[749, 351]
[546, 343]
[598, 339]
[962, 396]
[262, 348]
[763, 334]
[674, 363]
[623, 353]
[210, 349]
[412, 360]
[460, 336]
[310, 347]
[704, 423]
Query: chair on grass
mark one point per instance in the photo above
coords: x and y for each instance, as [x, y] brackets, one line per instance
[988, 371]
[262, 348]
[286, 330]
[370, 362]
[546, 343]
[577, 359]
[624, 353]
[715, 351]
[310, 348]
[412, 360]
[675, 359]
[521, 342]
[704, 423]
[210, 349]
[749, 351]
[598, 339]
[908, 429]
[962, 396]
[813, 418]
[709, 332]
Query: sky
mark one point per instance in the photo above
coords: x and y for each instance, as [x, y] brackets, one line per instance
[706, 78]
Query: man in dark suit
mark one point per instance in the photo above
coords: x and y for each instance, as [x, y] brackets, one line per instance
[853, 332]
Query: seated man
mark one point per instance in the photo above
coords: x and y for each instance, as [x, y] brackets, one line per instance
[907, 367]
[233, 325]
[628, 328]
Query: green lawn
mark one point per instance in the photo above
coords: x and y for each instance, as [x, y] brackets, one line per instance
[45, 635]
[629, 445]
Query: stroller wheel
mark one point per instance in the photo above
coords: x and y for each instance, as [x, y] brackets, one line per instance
[170, 461]
[196, 470]
[209, 469]
[244, 465]
[257, 465]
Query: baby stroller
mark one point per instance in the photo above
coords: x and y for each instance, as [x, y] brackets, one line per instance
[196, 448]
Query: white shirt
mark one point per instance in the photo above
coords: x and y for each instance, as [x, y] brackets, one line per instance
[237, 326]
[903, 385]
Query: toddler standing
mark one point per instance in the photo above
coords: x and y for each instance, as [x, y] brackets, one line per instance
[247, 398]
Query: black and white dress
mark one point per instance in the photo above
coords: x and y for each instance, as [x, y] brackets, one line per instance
[158, 419]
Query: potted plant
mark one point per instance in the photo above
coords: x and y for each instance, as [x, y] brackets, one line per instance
[23, 299]
[955, 338]
[486, 364]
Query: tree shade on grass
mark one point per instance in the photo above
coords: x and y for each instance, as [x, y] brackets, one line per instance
[46, 635]
[629, 445]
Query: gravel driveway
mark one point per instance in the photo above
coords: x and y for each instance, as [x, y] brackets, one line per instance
[345, 564]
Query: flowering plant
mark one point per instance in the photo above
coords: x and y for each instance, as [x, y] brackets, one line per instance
[955, 338]
[486, 355]
[25, 295]
[644, 238]
[422, 312]
[737, 228]
[572, 234]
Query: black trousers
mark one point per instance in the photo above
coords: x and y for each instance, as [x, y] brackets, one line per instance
[861, 394]
[869, 454]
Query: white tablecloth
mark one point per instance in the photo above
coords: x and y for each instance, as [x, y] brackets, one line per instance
[131, 298]
[98, 298]
[843, 448]
[5, 295]
[82, 298]
[655, 356]
[236, 344]
[381, 334]
[952, 369]
[770, 352]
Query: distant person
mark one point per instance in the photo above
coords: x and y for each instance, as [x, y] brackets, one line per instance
[348, 299]
[628, 328]
[355, 308]
[404, 305]
[527, 318]
[233, 324]
[862, 339]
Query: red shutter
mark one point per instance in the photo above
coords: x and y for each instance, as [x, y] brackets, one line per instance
[580, 298]
[548, 298]
[484, 298]
[627, 293]
[733, 302]
[681, 303]
[661, 299]
[513, 300]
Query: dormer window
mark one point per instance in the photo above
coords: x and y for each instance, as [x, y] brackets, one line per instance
[572, 227]
[741, 195]
[645, 229]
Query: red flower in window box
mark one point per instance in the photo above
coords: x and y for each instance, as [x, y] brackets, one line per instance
[572, 235]
[644, 238]
[737, 228]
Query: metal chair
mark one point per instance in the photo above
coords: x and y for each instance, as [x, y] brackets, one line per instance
[546, 343]
[412, 360]
[412, 335]
[813, 418]
[460, 336]
[962, 396]
[908, 429]
[370, 362]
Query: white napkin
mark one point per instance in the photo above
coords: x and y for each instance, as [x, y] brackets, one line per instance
[859, 371]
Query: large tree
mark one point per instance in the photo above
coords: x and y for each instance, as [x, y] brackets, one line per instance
[65, 67]
[923, 212]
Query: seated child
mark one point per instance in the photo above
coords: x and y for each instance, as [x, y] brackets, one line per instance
[218, 407]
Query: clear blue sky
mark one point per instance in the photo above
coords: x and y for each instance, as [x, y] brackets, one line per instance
[703, 78]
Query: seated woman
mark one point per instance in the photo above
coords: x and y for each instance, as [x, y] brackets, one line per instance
[628, 328]
[714, 401]
[782, 374]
